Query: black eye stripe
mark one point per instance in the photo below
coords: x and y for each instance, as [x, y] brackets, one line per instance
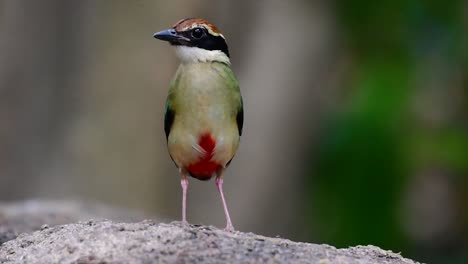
[206, 41]
[211, 42]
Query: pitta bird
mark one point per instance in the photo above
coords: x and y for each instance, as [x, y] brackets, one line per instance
[204, 111]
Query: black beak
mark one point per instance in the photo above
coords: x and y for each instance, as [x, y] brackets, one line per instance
[171, 36]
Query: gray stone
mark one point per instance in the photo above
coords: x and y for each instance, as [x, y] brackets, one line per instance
[105, 241]
[31, 215]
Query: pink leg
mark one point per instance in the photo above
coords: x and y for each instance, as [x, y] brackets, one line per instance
[219, 185]
[184, 184]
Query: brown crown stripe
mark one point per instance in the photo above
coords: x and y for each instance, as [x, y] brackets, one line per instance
[189, 23]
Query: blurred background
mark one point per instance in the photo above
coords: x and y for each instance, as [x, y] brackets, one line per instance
[355, 128]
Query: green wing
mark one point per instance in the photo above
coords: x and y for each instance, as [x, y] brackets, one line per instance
[169, 110]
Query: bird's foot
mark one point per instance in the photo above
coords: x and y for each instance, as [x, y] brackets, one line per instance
[229, 227]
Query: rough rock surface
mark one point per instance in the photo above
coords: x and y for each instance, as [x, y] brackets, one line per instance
[30, 215]
[148, 242]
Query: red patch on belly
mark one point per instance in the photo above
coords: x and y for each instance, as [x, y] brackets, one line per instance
[204, 168]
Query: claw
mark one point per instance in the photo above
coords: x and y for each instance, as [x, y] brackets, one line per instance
[229, 228]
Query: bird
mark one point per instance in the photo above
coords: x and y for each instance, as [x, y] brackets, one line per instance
[204, 112]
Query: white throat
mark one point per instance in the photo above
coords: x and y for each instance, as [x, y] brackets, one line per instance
[194, 54]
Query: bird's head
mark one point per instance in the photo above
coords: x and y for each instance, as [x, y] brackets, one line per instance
[196, 40]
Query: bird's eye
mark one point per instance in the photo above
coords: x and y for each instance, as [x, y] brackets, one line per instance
[197, 33]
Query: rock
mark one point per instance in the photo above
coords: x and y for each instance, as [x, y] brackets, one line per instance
[31, 215]
[148, 242]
